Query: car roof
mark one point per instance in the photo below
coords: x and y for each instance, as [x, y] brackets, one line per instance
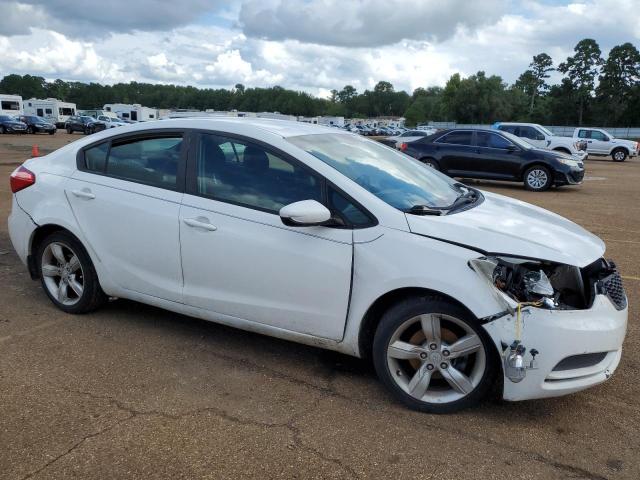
[281, 128]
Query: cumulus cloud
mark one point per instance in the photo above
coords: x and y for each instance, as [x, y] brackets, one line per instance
[325, 44]
[100, 18]
[364, 23]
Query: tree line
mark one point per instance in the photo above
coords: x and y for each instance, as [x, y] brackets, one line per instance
[592, 91]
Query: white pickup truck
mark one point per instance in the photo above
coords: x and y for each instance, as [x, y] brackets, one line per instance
[601, 142]
[540, 137]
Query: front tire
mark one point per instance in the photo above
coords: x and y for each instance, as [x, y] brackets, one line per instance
[433, 356]
[537, 178]
[67, 274]
[619, 155]
[430, 162]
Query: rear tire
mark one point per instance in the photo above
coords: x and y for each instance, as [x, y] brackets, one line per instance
[431, 162]
[537, 178]
[433, 356]
[69, 130]
[67, 274]
[619, 155]
[562, 150]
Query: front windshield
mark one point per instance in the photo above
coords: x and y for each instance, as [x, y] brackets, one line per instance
[37, 119]
[517, 140]
[393, 177]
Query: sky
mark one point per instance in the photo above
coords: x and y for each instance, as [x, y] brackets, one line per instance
[310, 45]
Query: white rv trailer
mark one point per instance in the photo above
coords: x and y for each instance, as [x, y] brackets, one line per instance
[132, 112]
[54, 110]
[10, 105]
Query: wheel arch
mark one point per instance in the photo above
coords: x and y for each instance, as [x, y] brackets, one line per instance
[562, 149]
[535, 163]
[374, 313]
[38, 235]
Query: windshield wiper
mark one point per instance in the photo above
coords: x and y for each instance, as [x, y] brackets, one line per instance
[424, 210]
[465, 198]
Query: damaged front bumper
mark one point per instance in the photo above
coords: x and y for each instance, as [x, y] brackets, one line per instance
[576, 349]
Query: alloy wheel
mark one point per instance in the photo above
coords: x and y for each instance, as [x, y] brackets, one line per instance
[436, 358]
[62, 273]
[537, 179]
[619, 156]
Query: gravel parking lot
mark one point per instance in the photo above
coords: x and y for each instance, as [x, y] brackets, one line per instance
[132, 391]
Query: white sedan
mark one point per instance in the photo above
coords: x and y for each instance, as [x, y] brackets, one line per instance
[325, 238]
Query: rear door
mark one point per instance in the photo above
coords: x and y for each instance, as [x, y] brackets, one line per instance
[126, 196]
[457, 153]
[239, 260]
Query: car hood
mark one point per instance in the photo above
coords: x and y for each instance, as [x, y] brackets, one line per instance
[507, 226]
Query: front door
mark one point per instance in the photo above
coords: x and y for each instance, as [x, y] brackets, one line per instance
[240, 260]
[497, 157]
[598, 143]
[126, 199]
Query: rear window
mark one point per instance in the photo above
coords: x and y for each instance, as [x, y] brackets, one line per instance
[456, 138]
[151, 161]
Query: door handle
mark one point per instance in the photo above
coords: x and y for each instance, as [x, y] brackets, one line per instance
[84, 193]
[200, 222]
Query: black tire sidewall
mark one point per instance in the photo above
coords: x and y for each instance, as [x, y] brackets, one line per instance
[432, 161]
[549, 178]
[92, 294]
[403, 311]
[613, 155]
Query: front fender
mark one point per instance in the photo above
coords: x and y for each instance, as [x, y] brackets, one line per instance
[400, 259]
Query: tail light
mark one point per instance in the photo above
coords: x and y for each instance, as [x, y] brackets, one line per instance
[403, 146]
[21, 178]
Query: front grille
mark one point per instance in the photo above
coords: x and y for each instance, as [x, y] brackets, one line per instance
[612, 287]
[577, 177]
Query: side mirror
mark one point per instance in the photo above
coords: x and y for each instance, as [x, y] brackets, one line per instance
[512, 148]
[307, 213]
[540, 137]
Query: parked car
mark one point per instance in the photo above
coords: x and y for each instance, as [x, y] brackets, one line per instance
[9, 124]
[37, 124]
[84, 124]
[330, 239]
[601, 142]
[405, 137]
[495, 155]
[110, 122]
[540, 137]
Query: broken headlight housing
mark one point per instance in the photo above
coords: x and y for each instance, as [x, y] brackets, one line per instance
[533, 282]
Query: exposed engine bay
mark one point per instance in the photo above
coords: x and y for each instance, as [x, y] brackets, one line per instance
[551, 285]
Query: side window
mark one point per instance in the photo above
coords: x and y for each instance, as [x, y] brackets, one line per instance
[152, 161]
[95, 158]
[347, 210]
[48, 111]
[508, 128]
[528, 132]
[583, 133]
[598, 135]
[246, 174]
[456, 138]
[497, 141]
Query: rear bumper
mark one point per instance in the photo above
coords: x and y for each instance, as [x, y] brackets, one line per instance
[21, 228]
[578, 348]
